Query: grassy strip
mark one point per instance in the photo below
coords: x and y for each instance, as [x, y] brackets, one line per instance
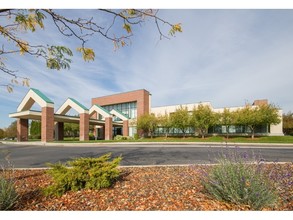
[268, 139]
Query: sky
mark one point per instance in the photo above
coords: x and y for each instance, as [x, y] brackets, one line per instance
[228, 57]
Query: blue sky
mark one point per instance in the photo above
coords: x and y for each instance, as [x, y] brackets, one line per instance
[227, 57]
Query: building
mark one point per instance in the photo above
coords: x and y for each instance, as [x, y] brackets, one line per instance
[109, 115]
[132, 104]
[271, 130]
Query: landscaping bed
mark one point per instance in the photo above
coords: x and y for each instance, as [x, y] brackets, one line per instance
[138, 188]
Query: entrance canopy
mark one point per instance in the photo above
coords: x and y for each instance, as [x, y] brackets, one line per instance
[49, 118]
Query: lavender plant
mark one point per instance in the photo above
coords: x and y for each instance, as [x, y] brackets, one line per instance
[8, 194]
[239, 178]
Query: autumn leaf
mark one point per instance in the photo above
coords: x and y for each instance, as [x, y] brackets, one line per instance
[175, 28]
[87, 53]
[127, 27]
[131, 12]
[23, 47]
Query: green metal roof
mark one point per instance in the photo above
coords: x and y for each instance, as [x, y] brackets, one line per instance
[79, 104]
[105, 110]
[121, 113]
[42, 95]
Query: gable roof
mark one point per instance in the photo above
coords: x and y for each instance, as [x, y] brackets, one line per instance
[32, 96]
[97, 108]
[72, 103]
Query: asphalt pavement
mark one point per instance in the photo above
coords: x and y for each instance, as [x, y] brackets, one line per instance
[37, 155]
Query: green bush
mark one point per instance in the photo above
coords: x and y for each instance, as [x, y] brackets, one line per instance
[8, 195]
[239, 180]
[124, 138]
[84, 173]
[118, 137]
[136, 136]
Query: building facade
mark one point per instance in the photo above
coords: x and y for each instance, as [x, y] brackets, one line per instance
[132, 104]
[271, 130]
[110, 116]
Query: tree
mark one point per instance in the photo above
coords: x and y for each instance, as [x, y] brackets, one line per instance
[202, 118]
[19, 22]
[2, 133]
[11, 131]
[71, 129]
[253, 116]
[35, 129]
[227, 118]
[181, 119]
[165, 122]
[288, 123]
[147, 123]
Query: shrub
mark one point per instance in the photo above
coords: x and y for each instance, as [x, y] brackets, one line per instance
[235, 179]
[8, 195]
[85, 173]
[124, 138]
[136, 136]
[118, 137]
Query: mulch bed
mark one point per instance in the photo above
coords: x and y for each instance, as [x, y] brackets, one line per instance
[139, 188]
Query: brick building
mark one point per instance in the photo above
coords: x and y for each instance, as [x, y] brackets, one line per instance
[109, 115]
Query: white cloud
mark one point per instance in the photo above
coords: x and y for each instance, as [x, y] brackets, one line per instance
[223, 56]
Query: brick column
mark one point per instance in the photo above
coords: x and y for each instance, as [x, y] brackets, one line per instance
[60, 131]
[47, 121]
[22, 129]
[84, 127]
[125, 128]
[108, 128]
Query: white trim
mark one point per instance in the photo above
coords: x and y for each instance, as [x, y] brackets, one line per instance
[24, 113]
[100, 111]
[119, 115]
[30, 98]
[67, 105]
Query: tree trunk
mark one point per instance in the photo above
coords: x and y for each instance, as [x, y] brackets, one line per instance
[252, 132]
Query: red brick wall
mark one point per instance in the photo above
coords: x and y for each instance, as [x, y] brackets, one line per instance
[47, 124]
[84, 127]
[125, 128]
[22, 129]
[140, 96]
[108, 128]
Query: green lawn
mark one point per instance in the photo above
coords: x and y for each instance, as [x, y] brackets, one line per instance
[219, 139]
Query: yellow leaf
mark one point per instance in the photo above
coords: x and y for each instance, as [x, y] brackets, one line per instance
[175, 28]
[87, 53]
[9, 89]
[127, 27]
[23, 47]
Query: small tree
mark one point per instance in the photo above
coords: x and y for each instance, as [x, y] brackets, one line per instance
[253, 116]
[181, 119]
[35, 129]
[288, 123]
[2, 133]
[165, 122]
[11, 131]
[202, 118]
[227, 118]
[147, 123]
[71, 129]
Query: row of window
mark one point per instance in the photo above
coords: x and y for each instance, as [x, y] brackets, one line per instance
[233, 129]
[129, 109]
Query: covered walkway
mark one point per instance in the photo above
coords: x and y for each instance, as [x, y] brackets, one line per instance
[52, 124]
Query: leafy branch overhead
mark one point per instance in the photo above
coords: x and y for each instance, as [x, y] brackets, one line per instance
[16, 23]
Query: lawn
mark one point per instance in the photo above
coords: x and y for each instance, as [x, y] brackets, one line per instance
[217, 139]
